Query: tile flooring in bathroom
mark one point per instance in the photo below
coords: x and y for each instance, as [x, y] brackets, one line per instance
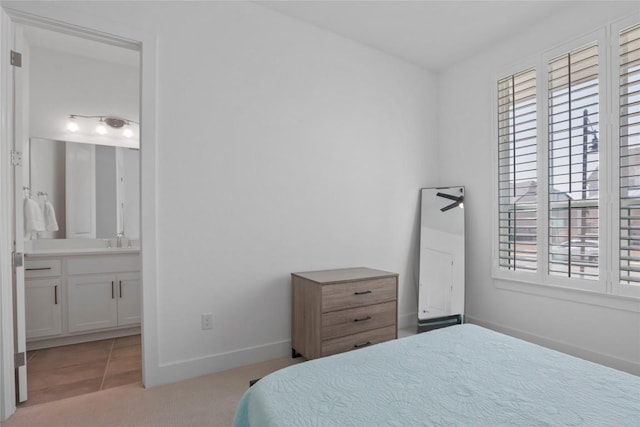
[60, 372]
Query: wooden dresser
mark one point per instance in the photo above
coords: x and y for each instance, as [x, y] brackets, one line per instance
[341, 310]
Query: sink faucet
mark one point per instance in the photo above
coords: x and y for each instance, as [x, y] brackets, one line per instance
[119, 240]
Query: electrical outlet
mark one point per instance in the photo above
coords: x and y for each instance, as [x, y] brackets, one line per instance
[206, 320]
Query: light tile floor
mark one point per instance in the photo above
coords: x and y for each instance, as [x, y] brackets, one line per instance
[61, 372]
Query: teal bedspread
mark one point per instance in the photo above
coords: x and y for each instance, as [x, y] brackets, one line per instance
[462, 375]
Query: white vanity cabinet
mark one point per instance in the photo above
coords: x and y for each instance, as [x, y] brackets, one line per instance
[105, 300]
[92, 302]
[74, 298]
[129, 302]
[43, 287]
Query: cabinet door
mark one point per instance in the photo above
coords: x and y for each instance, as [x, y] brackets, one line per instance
[43, 308]
[128, 299]
[92, 302]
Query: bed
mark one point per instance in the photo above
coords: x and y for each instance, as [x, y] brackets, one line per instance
[461, 375]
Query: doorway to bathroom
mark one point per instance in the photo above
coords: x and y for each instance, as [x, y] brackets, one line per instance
[77, 213]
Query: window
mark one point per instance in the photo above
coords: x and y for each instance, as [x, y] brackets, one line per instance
[629, 43]
[517, 174]
[573, 111]
[568, 171]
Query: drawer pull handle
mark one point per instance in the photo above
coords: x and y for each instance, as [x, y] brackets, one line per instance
[362, 292]
[362, 319]
[37, 268]
[55, 294]
[120, 288]
[112, 290]
[362, 345]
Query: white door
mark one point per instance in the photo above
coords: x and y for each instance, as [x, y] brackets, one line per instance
[20, 141]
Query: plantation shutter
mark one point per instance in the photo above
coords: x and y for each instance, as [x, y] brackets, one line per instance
[517, 171]
[573, 114]
[630, 156]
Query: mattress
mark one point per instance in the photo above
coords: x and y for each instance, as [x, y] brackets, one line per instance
[462, 375]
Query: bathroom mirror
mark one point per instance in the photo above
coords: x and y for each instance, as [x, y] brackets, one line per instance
[83, 146]
[441, 278]
[94, 196]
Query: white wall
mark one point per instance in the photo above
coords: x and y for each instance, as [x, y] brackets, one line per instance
[281, 148]
[64, 84]
[604, 329]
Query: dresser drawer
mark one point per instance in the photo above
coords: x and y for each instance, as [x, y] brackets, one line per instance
[354, 320]
[341, 296]
[42, 268]
[363, 339]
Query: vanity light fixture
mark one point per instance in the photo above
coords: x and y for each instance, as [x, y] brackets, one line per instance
[127, 132]
[104, 124]
[101, 129]
[72, 124]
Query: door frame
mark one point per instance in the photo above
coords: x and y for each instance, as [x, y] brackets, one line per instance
[65, 19]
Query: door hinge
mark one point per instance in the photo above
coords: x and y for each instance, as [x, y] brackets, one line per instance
[18, 259]
[16, 158]
[16, 59]
[19, 360]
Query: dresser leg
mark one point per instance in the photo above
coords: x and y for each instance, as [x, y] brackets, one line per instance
[294, 353]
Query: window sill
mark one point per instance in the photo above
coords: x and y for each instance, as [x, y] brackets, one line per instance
[531, 287]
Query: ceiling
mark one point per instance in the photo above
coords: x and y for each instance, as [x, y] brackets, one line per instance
[432, 34]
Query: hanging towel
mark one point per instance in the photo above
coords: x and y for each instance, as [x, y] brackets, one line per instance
[50, 223]
[33, 218]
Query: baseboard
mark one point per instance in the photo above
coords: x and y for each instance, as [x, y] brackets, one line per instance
[408, 320]
[191, 368]
[583, 353]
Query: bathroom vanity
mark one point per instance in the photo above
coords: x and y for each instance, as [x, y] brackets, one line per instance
[75, 294]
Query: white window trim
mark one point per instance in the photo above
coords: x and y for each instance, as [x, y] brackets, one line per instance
[617, 288]
[607, 290]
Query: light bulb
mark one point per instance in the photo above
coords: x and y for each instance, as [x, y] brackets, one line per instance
[127, 132]
[72, 125]
[101, 129]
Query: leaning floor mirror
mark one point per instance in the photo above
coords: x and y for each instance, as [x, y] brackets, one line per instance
[441, 278]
